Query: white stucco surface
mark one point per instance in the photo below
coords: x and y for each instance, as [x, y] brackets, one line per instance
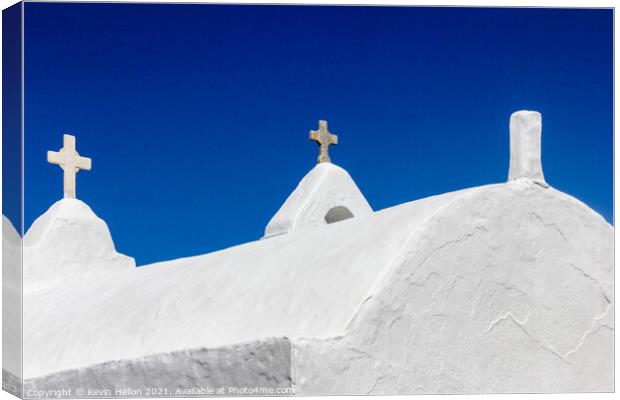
[507, 289]
[326, 186]
[462, 292]
[66, 242]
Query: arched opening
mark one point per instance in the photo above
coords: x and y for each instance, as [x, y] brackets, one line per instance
[336, 214]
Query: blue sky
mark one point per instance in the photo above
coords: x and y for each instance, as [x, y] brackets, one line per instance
[197, 116]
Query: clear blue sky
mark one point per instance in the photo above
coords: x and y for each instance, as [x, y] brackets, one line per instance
[197, 116]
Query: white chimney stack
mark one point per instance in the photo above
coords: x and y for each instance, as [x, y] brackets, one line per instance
[525, 133]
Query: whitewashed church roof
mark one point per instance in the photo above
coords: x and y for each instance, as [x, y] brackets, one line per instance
[462, 290]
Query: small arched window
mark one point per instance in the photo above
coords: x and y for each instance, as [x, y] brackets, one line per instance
[336, 214]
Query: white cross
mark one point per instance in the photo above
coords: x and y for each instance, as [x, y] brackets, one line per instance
[324, 138]
[71, 162]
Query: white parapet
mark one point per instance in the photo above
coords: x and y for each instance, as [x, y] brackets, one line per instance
[525, 149]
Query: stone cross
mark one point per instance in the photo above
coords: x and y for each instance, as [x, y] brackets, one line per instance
[324, 138]
[525, 152]
[71, 162]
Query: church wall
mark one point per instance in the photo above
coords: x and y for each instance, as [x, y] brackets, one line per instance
[254, 366]
[508, 289]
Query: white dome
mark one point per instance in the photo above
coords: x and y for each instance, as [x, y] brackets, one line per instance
[327, 194]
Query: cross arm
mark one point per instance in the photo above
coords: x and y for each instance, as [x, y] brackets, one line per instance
[83, 163]
[53, 157]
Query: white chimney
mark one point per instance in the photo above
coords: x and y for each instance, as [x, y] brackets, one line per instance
[525, 133]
